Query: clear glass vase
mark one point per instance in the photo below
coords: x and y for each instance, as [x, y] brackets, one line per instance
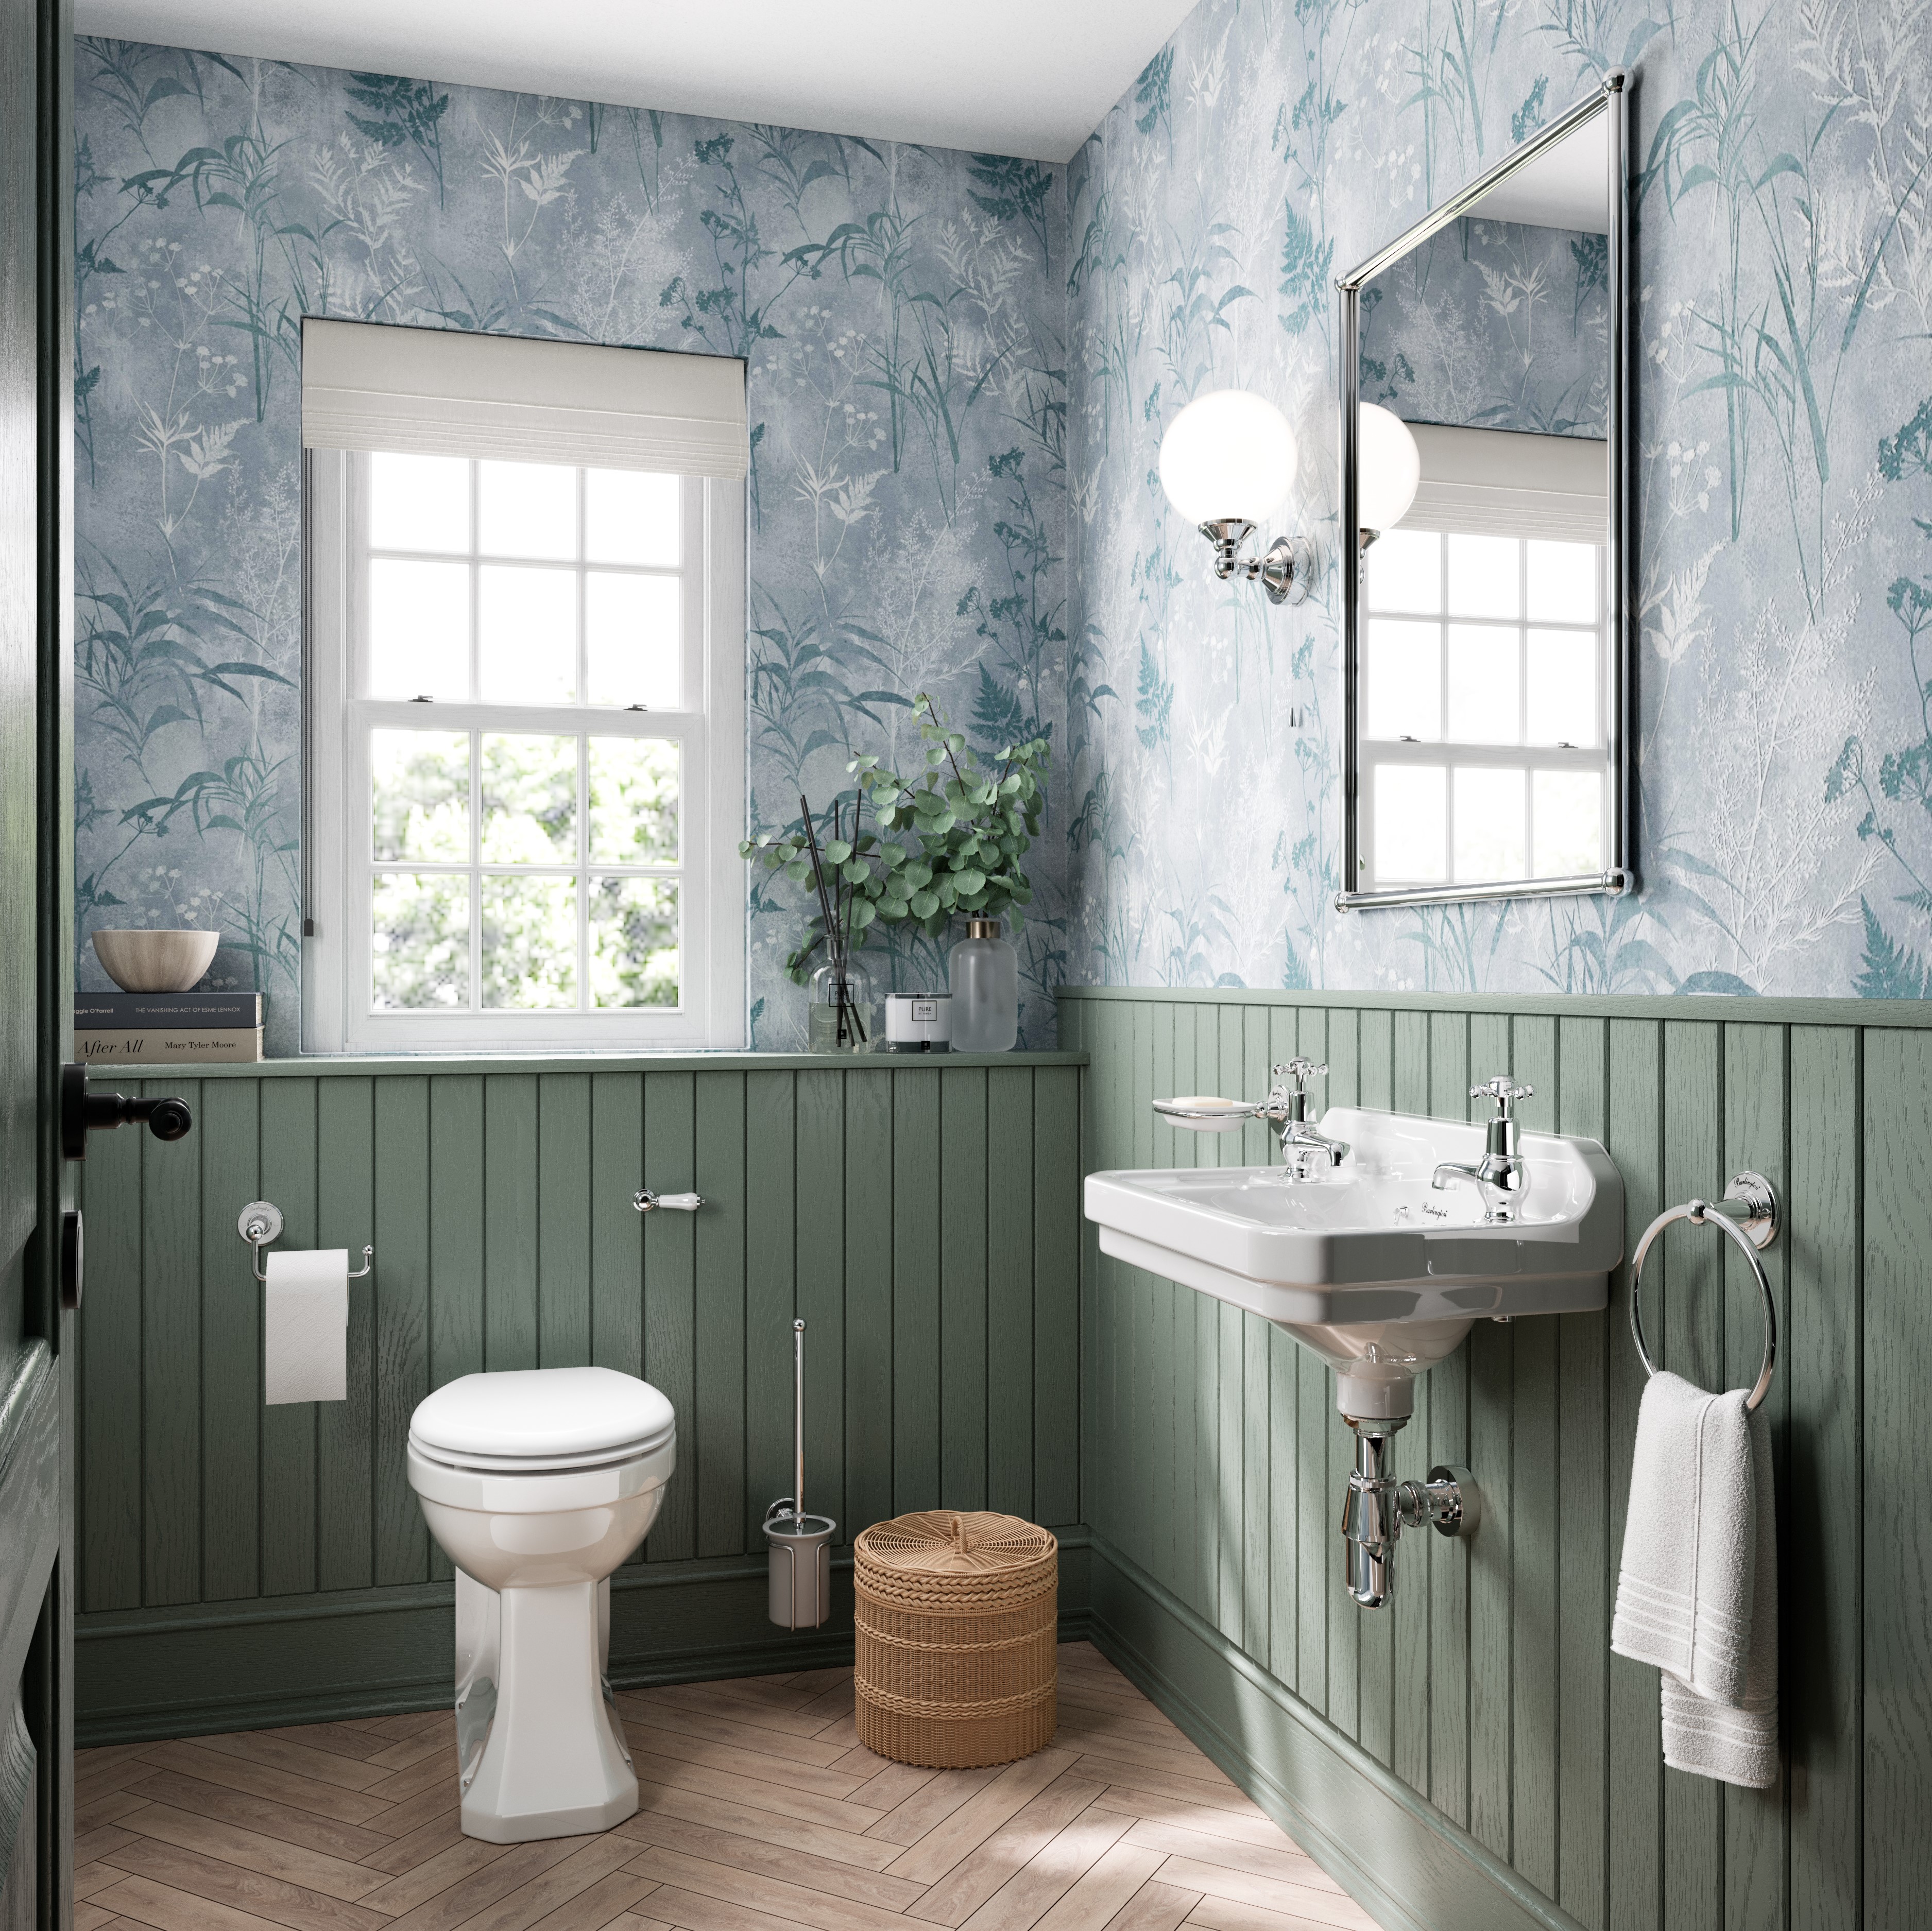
[844, 1014]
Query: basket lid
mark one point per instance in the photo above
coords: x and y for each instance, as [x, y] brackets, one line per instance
[948, 1541]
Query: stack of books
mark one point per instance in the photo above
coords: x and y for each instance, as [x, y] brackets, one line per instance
[130, 1028]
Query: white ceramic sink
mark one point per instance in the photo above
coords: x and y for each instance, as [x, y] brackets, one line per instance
[1377, 1273]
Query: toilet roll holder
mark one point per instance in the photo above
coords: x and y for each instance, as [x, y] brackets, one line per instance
[260, 1223]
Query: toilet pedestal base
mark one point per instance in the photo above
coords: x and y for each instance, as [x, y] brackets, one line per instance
[533, 1716]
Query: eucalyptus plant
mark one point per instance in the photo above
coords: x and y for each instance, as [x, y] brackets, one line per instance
[949, 843]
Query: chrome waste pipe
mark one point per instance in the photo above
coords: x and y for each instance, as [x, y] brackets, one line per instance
[1379, 1508]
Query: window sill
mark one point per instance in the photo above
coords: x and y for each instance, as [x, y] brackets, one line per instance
[325, 1066]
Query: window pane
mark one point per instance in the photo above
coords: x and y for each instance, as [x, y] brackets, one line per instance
[422, 941]
[420, 781]
[1490, 830]
[1569, 823]
[633, 798]
[419, 503]
[1562, 686]
[529, 943]
[529, 634]
[1484, 707]
[1411, 818]
[1405, 680]
[526, 509]
[1562, 582]
[633, 633]
[529, 799]
[1406, 572]
[1483, 580]
[418, 630]
[634, 941]
[631, 516]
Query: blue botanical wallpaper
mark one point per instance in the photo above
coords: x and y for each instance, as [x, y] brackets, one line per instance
[1784, 457]
[903, 310]
[961, 369]
[1491, 325]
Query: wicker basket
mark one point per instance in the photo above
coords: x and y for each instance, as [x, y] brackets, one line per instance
[957, 1618]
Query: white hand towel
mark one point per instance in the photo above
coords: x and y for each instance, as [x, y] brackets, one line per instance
[1697, 1595]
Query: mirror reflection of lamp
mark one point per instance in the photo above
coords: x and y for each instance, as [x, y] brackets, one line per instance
[1227, 463]
[1388, 467]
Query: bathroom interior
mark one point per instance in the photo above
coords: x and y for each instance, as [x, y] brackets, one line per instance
[1135, 793]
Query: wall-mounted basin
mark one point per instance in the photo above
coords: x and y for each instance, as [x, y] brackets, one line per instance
[1369, 1263]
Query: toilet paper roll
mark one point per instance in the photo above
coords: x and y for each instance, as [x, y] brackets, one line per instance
[305, 1327]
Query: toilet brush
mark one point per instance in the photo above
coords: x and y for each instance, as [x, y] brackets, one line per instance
[801, 1545]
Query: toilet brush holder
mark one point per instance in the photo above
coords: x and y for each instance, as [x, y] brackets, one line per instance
[799, 1589]
[800, 1583]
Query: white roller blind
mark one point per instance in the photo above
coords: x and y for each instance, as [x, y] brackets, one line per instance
[444, 392]
[1501, 482]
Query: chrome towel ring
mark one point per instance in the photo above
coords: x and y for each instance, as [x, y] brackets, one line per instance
[1748, 1215]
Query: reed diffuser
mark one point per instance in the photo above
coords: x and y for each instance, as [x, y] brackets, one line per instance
[842, 1014]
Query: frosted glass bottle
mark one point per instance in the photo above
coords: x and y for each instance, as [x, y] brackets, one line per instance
[985, 972]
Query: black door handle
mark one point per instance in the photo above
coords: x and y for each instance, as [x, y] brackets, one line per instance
[82, 1113]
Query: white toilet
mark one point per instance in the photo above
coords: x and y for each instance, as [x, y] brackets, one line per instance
[537, 1483]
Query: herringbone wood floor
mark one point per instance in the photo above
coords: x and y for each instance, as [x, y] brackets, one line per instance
[759, 1808]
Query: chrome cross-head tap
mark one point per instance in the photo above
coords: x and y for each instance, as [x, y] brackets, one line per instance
[1290, 1091]
[1500, 1178]
[1286, 1111]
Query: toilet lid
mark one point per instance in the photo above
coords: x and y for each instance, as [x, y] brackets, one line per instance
[542, 1415]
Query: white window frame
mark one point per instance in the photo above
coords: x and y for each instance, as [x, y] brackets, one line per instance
[338, 1016]
[1450, 755]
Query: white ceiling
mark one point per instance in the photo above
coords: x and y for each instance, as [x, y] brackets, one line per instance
[1029, 77]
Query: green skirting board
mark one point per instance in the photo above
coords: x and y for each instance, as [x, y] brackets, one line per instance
[1392, 1851]
[371, 1652]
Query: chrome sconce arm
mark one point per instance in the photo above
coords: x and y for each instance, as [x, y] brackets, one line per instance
[1285, 571]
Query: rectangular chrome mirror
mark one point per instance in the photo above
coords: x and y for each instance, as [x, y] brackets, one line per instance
[1486, 410]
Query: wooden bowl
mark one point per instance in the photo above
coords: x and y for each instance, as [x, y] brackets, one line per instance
[155, 961]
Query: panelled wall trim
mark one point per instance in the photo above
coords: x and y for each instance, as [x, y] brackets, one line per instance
[375, 1652]
[1214, 1462]
[921, 1214]
[1736, 1010]
[1405, 1861]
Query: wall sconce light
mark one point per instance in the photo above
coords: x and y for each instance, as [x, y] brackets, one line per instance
[1226, 463]
[1389, 471]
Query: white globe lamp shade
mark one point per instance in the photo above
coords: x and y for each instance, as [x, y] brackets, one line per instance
[1388, 467]
[1229, 456]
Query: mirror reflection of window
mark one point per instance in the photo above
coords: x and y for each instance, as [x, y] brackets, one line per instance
[1484, 677]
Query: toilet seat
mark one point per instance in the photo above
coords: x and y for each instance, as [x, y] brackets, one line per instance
[527, 1491]
[533, 1421]
[535, 1464]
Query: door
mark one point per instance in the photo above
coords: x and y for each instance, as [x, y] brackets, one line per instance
[36, 964]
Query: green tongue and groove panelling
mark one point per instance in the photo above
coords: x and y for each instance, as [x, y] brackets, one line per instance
[242, 1563]
[1475, 1749]
[1472, 1758]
